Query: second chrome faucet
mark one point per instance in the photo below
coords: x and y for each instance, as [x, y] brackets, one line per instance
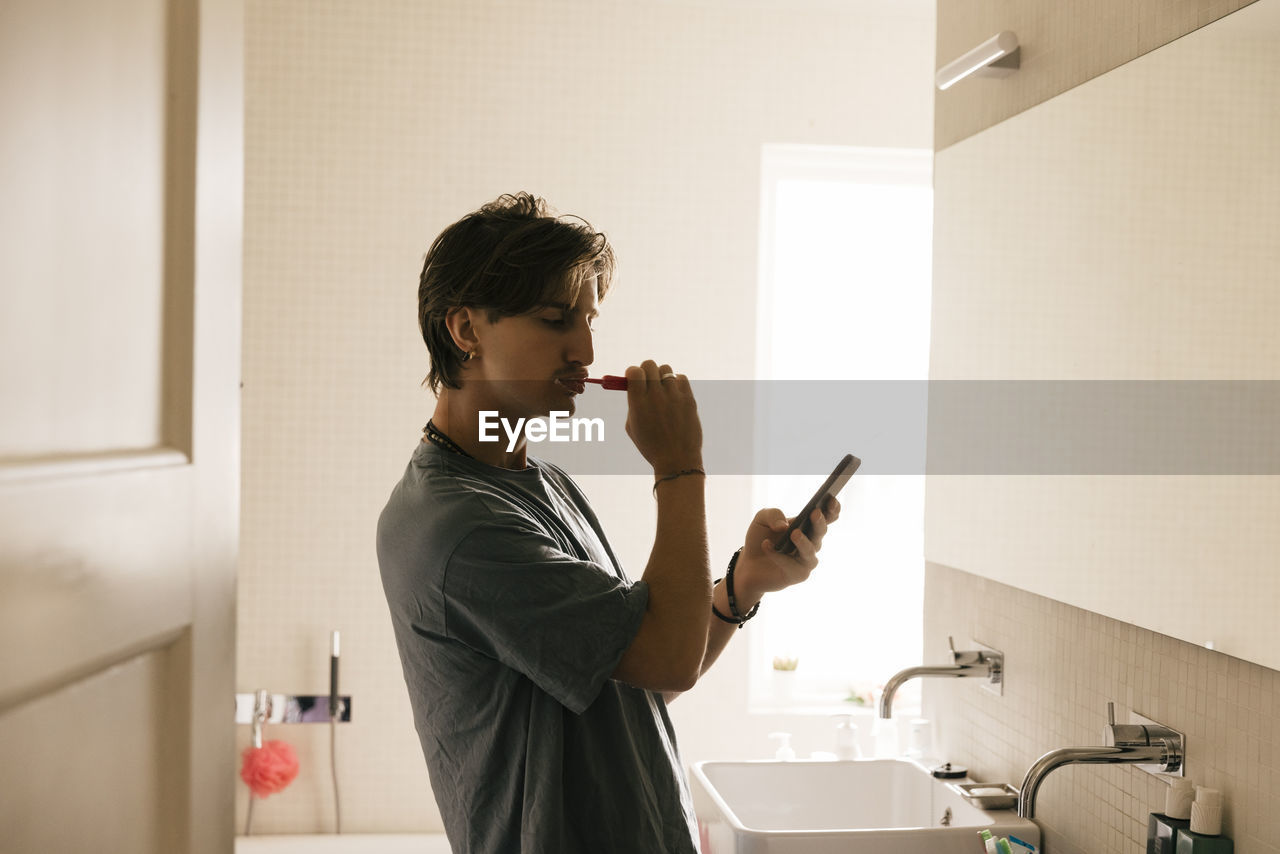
[1152, 746]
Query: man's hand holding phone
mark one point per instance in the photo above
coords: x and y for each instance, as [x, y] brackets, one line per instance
[779, 552]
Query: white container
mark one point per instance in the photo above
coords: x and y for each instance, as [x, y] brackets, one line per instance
[920, 739]
[1206, 812]
[847, 738]
[1177, 801]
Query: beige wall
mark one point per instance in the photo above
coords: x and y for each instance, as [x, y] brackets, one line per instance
[1096, 315]
[1062, 45]
[1134, 217]
[371, 126]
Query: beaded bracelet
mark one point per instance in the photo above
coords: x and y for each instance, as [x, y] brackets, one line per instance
[738, 617]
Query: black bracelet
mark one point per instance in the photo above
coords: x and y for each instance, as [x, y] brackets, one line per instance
[738, 617]
[716, 610]
[674, 476]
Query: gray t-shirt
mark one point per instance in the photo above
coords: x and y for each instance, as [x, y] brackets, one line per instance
[510, 612]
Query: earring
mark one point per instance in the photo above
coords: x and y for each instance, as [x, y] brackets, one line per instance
[468, 355]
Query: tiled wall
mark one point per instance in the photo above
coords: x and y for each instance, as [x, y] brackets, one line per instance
[1062, 45]
[1062, 666]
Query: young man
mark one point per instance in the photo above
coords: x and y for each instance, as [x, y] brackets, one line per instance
[537, 671]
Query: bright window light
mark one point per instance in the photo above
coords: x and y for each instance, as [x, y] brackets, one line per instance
[845, 270]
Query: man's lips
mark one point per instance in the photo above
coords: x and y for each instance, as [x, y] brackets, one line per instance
[574, 383]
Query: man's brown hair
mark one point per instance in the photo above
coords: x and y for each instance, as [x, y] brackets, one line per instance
[513, 256]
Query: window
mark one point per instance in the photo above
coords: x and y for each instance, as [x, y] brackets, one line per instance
[845, 270]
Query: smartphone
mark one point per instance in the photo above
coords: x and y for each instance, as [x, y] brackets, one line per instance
[831, 487]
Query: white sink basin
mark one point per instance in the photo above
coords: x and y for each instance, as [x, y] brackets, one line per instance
[871, 806]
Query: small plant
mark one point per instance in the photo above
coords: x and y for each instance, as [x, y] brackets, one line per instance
[861, 695]
[783, 663]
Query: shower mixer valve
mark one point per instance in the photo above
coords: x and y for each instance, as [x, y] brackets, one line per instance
[292, 709]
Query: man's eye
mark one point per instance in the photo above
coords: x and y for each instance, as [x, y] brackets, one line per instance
[560, 320]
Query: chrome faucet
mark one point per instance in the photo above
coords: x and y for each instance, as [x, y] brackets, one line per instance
[977, 662]
[1150, 745]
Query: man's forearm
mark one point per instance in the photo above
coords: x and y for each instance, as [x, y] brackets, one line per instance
[719, 632]
[671, 643]
[678, 571]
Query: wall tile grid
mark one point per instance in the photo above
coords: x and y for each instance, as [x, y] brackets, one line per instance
[1062, 45]
[1062, 666]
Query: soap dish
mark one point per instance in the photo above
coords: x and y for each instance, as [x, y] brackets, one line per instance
[987, 796]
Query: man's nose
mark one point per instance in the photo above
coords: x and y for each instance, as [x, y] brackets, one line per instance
[581, 348]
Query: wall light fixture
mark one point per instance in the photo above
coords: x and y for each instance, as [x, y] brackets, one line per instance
[995, 57]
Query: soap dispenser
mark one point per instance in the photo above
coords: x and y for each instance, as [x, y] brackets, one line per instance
[1162, 828]
[847, 738]
[785, 753]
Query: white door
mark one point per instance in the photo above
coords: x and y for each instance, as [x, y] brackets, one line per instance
[120, 234]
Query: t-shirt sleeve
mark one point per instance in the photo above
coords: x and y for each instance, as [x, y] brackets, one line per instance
[513, 594]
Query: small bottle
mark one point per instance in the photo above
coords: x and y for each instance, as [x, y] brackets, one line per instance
[1203, 837]
[785, 753]
[886, 738]
[847, 738]
[919, 739]
[1177, 801]
[1162, 828]
[1206, 812]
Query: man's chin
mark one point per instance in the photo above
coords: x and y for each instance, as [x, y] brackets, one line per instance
[559, 405]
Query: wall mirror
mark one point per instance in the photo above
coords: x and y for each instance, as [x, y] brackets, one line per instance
[1124, 230]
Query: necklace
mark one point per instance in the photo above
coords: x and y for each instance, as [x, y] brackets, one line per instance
[435, 437]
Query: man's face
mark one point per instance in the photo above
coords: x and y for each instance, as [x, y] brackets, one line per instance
[533, 364]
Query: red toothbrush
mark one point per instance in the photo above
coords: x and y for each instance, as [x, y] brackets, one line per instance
[609, 382]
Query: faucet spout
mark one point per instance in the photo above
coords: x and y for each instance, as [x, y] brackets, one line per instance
[1146, 743]
[954, 670]
[973, 662]
[1155, 753]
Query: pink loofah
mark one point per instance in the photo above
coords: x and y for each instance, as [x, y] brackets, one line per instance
[269, 768]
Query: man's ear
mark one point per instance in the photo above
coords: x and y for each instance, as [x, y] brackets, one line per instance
[461, 329]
